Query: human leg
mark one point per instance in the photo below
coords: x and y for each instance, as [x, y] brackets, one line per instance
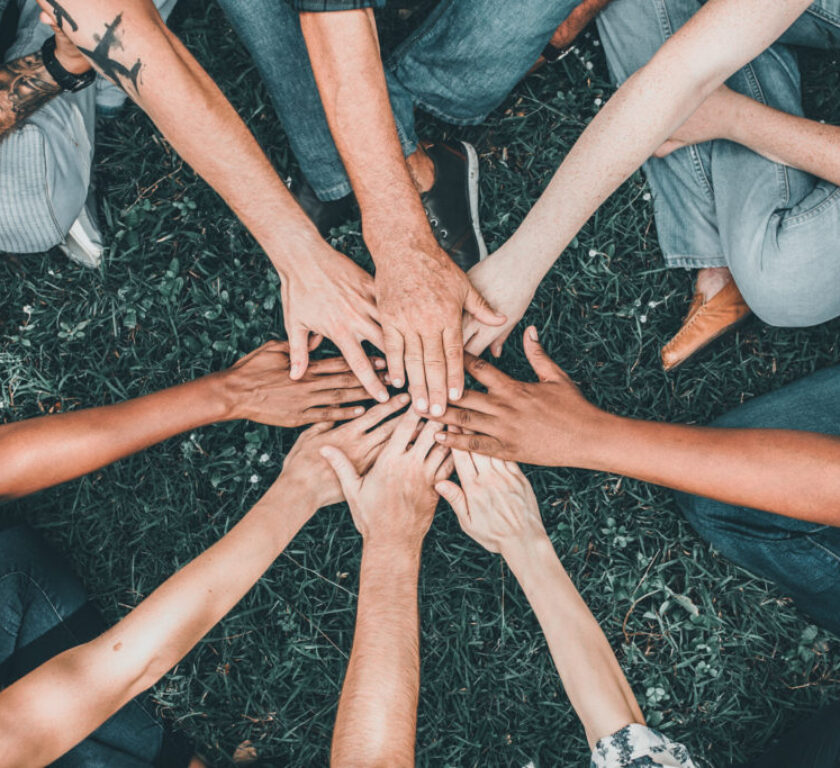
[801, 557]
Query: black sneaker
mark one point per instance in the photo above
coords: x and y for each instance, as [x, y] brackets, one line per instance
[324, 215]
[452, 202]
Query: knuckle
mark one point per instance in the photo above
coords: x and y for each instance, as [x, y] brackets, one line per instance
[474, 444]
[463, 418]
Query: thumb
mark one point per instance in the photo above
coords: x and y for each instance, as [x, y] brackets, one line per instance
[478, 307]
[298, 351]
[496, 346]
[453, 493]
[343, 468]
[545, 368]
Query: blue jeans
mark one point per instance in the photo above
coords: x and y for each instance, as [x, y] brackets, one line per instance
[44, 611]
[458, 65]
[802, 558]
[720, 204]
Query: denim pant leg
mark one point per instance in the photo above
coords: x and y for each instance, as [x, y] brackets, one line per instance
[45, 163]
[681, 185]
[780, 227]
[44, 611]
[466, 57]
[270, 30]
[802, 558]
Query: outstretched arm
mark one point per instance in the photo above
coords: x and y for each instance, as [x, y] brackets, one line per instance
[42, 452]
[53, 708]
[496, 506]
[645, 111]
[787, 472]
[421, 293]
[323, 291]
[392, 507]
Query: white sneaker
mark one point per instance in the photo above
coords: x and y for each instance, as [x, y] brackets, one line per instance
[83, 244]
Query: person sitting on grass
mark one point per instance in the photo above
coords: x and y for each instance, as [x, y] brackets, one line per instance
[758, 212]
[72, 688]
[761, 484]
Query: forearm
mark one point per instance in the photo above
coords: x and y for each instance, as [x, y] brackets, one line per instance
[135, 653]
[344, 51]
[591, 675]
[42, 452]
[722, 36]
[160, 74]
[789, 139]
[790, 473]
[25, 86]
[377, 711]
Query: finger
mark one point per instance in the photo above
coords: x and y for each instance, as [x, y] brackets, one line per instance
[317, 429]
[498, 343]
[483, 464]
[298, 351]
[464, 466]
[457, 500]
[468, 419]
[416, 374]
[434, 462]
[360, 364]
[434, 367]
[406, 425]
[313, 415]
[485, 373]
[445, 470]
[380, 412]
[328, 365]
[373, 333]
[315, 340]
[545, 368]
[424, 442]
[394, 349]
[453, 351]
[379, 436]
[343, 468]
[473, 443]
[478, 307]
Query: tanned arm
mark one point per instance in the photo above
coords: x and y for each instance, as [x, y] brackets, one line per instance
[420, 292]
[787, 472]
[323, 291]
[496, 506]
[392, 506]
[42, 452]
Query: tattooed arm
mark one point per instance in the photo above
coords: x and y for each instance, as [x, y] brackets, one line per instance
[25, 84]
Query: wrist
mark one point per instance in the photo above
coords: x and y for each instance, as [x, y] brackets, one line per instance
[526, 555]
[589, 444]
[287, 506]
[396, 556]
[74, 64]
[224, 395]
[606, 442]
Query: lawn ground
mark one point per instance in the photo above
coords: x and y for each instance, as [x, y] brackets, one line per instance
[719, 659]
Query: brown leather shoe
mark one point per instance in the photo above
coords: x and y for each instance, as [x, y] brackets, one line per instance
[704, 323]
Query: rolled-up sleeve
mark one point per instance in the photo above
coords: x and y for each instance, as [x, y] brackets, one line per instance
[321, 6]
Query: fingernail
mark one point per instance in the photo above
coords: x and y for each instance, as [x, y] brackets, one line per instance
[295, 368]
[379, 364]
[382, 397]
[437, 410]
[532, 333]
[359, 410]
[422, 405]
[397, 383]
[454, 394]
[440, 437]
[387, 379]
[404, 398]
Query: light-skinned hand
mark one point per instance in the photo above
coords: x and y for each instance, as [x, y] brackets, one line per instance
[393, 504]
[495, 503]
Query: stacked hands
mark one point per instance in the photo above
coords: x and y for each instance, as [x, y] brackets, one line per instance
[375, 458]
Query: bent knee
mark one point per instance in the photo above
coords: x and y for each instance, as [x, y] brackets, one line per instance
[785, 302]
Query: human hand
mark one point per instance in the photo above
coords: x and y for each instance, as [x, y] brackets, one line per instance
[500, 279]
[421, 295]
[393, 504]
[259, 388]
[495, 503]
[360, 441]
[327, 294]
[548, 423]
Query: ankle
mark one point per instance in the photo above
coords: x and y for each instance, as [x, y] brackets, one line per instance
[711, 280]
[422, 169]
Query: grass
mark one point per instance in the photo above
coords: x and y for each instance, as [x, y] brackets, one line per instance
[719, 659]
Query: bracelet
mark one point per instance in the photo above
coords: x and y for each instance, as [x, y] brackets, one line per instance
[67, 81]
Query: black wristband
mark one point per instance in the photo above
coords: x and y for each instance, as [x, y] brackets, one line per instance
[67, 81]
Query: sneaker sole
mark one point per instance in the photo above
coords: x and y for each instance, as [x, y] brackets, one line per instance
[472, 188]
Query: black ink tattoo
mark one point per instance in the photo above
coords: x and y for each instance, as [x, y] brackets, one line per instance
[111, 68]
[61, 15]
[25, 86]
